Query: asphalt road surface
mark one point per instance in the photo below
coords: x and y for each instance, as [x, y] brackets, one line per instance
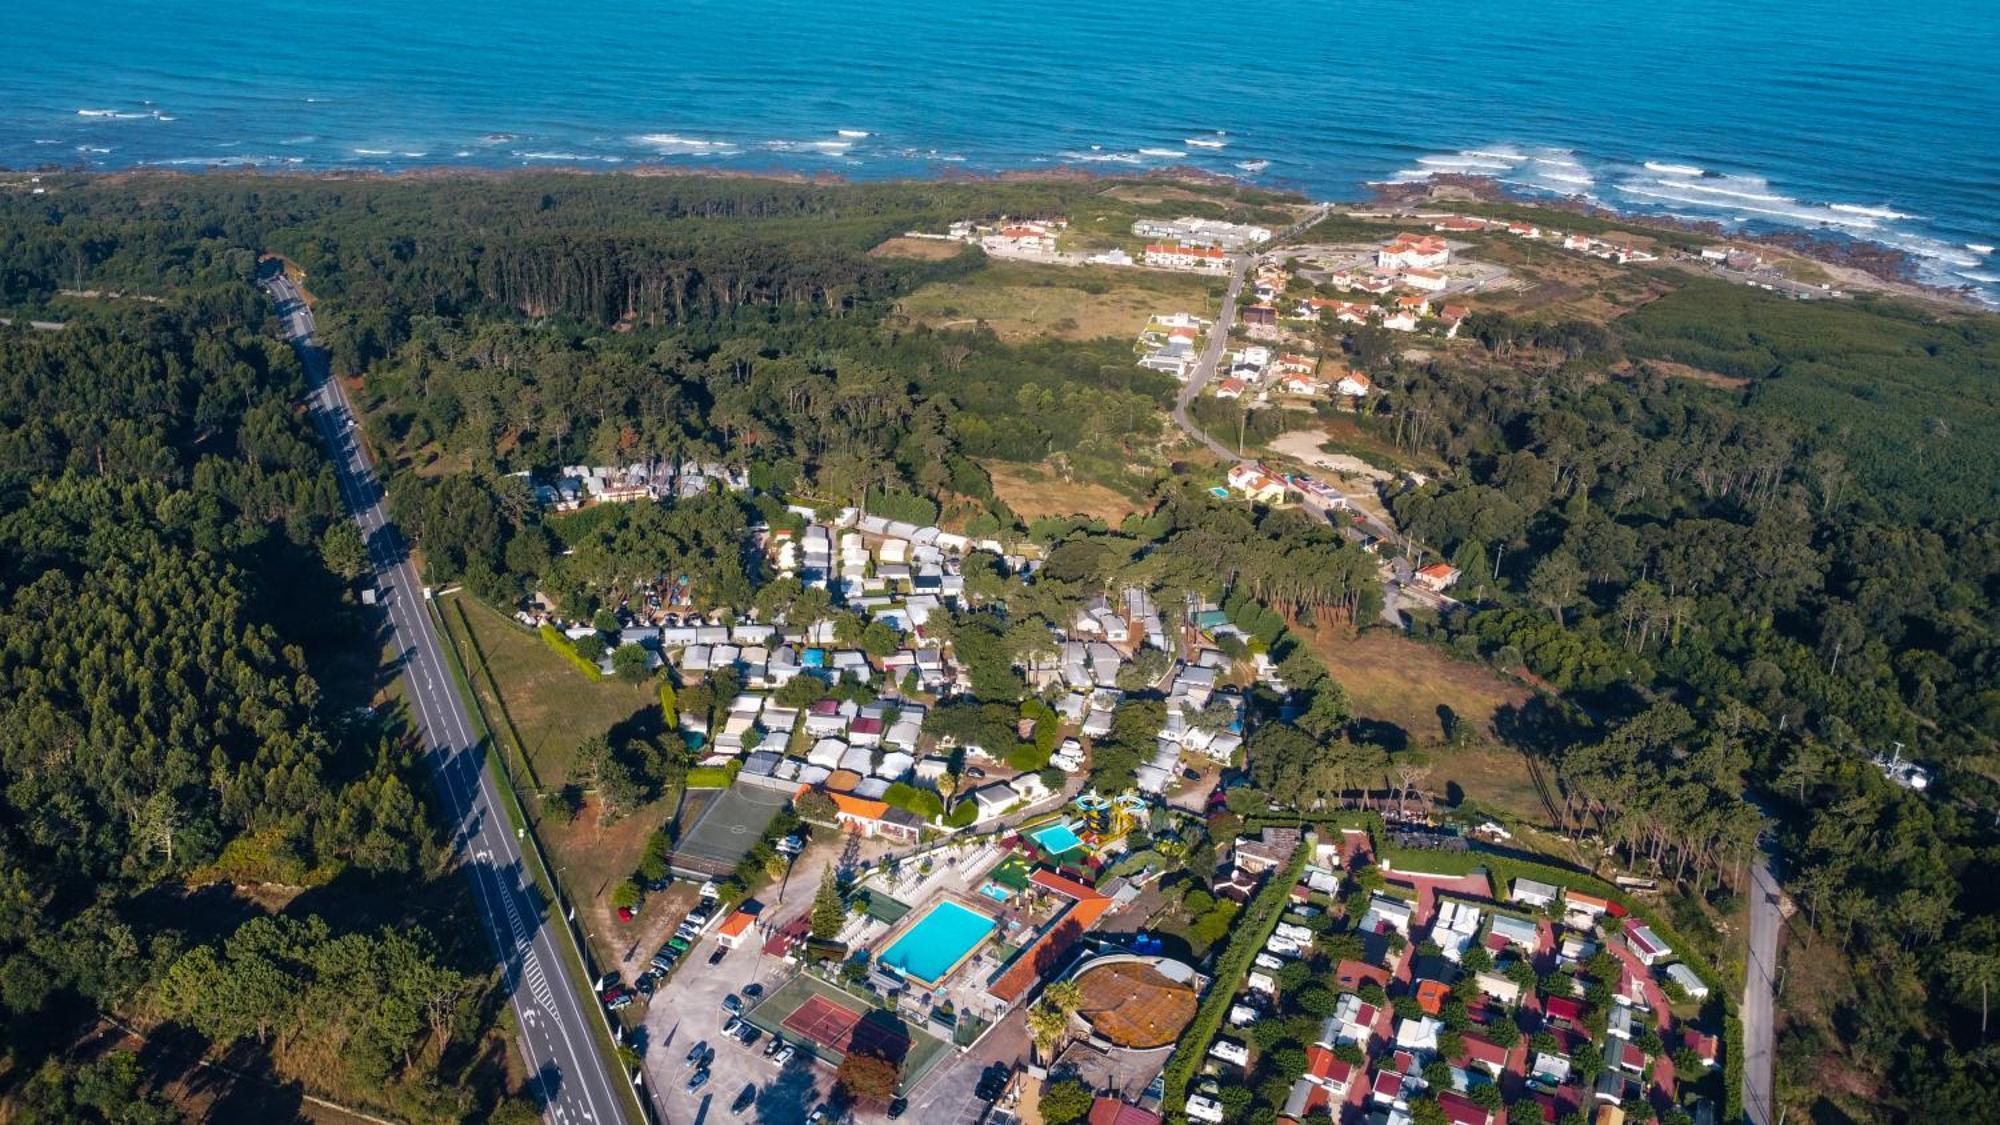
[569, 1076]
[1759, 992]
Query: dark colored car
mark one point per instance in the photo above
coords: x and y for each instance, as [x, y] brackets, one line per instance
[697, 1079]
[696, 1052]
[992, 1082]
[753, 990]
[744, 1100]
[732, 1003]
[897, 1107]
[716, 957]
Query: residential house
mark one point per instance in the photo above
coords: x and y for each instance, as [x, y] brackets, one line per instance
[1353, 384]
[1535, 893]
[1646, 944]
[1256, 483]
[1437, 577]
[1688, 981]
[1429, 281]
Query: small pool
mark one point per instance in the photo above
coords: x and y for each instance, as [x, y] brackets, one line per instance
[1219, 492]
[1058, 838]
[996, 892]
[939, 940]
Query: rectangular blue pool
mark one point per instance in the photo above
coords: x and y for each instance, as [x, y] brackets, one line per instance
[1058, 838]
[933, 947]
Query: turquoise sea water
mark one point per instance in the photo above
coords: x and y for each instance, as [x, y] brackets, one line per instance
[929, 949]
[1871, 120]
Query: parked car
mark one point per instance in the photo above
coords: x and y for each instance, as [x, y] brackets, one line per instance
[775, 1044]
[625, 914]
[732, 1003]
[622, 1000]
[662, 963]
[696, 1052]
[744, 1100]
[716, 957]
[753, 990]
[897, 1107]
[645, 984]
[992, 1082]
[731, 1026]
[697, 1079]
[784, 1056]
[749, 1033]
[678, 944]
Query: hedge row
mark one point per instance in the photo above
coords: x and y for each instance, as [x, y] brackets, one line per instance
[554, 638]
[1732, 1067]
[713, 777]
[1252, 929]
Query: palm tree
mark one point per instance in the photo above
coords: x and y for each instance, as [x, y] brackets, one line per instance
[1048, 1026]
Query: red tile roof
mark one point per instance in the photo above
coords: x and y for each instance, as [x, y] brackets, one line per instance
[1481, 1050]
[1111, 1111]
[1563, 1008]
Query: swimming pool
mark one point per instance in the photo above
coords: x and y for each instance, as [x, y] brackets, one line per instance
[1058, 838]
[996, 892]
[934, 946]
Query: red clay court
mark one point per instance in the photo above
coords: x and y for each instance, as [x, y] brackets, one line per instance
[844, 1030]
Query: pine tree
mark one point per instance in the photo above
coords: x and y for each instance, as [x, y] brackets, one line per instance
[828, 913]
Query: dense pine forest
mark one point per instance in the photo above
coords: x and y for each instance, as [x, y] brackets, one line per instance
[1729, 591]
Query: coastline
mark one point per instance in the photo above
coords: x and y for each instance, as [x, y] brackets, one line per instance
[1856, 261]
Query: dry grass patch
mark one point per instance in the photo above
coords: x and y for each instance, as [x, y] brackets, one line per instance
[1025, 302]
[1034, 492]
[1403, 683]
[921, 249]
[1674, 370]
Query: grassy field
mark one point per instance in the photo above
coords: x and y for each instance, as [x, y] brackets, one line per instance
[550, 707]
[546, 700]
[1402, 683]
[1022, 302]
[1034, 492]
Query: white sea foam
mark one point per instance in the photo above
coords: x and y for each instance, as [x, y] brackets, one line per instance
[1779, 207]
[673, 142]
[1167, 152]
[1979, 247]
[97, 113]
[1253, 166]
[371, 152]
[857, 134]
[1205, 142]
[1871, 212]
[1097, 155]
[1740, 187]
[1982, 278]
[1674, 169]
[1467, 160]
[1567, 178]
[98, 150]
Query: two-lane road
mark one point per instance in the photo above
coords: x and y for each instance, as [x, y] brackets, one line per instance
[556, 1036]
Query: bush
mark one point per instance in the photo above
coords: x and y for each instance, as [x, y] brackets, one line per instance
[554, 638]
[1065, 1101]
[963, 814]
[923, 802]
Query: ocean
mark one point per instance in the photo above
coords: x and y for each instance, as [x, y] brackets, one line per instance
[1867, 120]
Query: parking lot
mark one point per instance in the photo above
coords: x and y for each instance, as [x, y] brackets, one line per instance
[689, 1010]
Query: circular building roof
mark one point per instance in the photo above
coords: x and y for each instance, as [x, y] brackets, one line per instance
[1138, 1003]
